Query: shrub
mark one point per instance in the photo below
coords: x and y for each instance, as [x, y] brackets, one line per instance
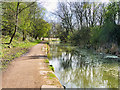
[80, 37]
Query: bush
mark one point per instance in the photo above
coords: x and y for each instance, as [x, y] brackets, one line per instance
[95, 34]
[80, 37]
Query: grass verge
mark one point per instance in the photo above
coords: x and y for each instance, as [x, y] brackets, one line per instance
[51, 67]
[15, 49]
[49, 56]
[46, 61]
[51, 75]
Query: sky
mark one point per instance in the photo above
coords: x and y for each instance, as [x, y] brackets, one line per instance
[51, 6]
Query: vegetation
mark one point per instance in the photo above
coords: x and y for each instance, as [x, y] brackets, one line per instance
[22, 26]
[86, 24]
[46, 61]
[49, 56]
[51, 68]
[89, 24]
[51, 75]
[15, 49]
[24, 19]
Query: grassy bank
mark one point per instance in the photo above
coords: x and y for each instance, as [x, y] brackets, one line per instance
[15, 49]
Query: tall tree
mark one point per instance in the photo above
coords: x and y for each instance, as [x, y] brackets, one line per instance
[65, 15]
[18, 11]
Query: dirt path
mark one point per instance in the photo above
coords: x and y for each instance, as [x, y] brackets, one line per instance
[29, 71]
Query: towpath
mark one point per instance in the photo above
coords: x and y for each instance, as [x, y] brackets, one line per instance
[30, 71]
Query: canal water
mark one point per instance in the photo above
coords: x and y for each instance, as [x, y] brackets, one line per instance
[82, 68]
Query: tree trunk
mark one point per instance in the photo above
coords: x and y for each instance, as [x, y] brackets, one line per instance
[16, 23]
[36, 37]
[24, 36]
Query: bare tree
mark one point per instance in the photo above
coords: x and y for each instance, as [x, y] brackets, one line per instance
[65, 16]
[78, 11]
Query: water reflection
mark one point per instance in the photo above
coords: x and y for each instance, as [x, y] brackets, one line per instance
[80, 68]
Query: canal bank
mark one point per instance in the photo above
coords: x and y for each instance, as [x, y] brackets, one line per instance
[30, 71]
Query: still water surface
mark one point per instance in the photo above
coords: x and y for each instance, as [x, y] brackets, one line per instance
[82, 68]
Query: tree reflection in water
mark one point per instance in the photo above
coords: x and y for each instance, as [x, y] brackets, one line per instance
[80, 68]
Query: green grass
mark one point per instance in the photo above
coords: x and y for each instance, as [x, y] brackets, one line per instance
[49, 56]
[51, 68]
[55, 40]
[15, 49]
[46, 61]
[48, 49]
[51, 75]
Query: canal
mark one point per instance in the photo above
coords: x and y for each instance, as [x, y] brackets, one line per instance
[81, 68]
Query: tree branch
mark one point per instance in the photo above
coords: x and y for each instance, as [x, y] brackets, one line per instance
[26, 7]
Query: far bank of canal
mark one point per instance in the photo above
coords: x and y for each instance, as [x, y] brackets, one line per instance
[81, 68]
